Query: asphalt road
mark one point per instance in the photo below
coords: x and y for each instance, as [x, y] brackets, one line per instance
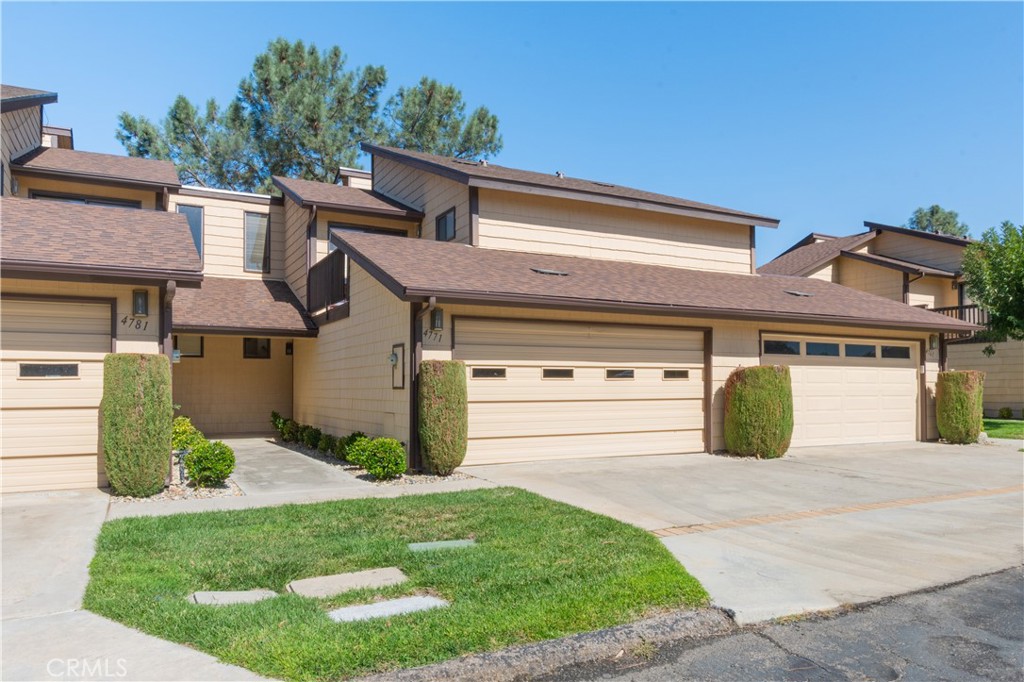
[970, 631]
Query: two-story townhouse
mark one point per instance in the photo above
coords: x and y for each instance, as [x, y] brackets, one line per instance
[919, 269]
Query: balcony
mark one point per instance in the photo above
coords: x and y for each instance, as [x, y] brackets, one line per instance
[973, 314]
[327, 289]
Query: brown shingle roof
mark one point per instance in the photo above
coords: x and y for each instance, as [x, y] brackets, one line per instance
[416, 269]
[471, 172]
[804, 259]
[124, 169]
[339, 197]
[240, 305]
[13, 97]
[59, 236]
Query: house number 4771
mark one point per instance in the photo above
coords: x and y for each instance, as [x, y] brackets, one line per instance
[134, 323]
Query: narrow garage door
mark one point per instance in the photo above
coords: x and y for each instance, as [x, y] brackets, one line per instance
[51, 355]
[849, 391]
[542, 390]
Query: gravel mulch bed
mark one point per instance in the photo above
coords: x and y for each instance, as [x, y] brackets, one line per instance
[414, 478]
[183, 490]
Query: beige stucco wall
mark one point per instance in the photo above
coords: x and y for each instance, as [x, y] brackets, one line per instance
[538, 224]
[1004, 372]
[20, 133]
[872, 279]
[933, 292]
[28, 183]
[426, 192]
[224, 234]
[225, 393]
[918, 250]
[343, 379]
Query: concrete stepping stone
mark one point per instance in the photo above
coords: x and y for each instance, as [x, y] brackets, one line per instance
[232, 597]
[392, 607]
[440, 544]
[330, 585]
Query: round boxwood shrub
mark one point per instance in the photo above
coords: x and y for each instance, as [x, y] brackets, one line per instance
[358, 450]
[958, 408]
[384, 458]
[184, 434]
[341, 445]
[327, 443]
[209, 464]
[137, 413]
[1006, 413]
[289, 431]
[310, 436]
[759, 411]
[443, 413]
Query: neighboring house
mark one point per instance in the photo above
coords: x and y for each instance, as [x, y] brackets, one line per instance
[920, 269]
[594, 319]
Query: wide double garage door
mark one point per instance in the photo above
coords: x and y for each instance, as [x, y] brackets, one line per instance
[51, 357]
[543, 390]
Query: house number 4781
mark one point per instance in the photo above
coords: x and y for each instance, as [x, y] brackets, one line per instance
[134, 323]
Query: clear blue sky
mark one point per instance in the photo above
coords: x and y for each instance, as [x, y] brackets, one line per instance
[822, 115]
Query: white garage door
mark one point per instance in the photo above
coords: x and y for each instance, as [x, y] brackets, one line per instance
[51, 357]
[848, 390]
[543, 390]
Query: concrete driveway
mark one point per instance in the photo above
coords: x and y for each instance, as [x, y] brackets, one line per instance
[817, 529]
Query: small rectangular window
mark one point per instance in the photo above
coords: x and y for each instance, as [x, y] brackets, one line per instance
[860, 350]
[558, 373]
[488, 372]
[444, 226]
[675, 374]
[619, 373]
[257, 242]
[47, 371]
[897, 352]
[256, 348]
[194, 215]
[79, 199]
[823, 348]
[772, 347]
[189, 346]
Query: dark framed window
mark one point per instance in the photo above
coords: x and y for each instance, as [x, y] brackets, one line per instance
[194, 215]
[257, 242]
[558, 373]
[823, 349]
[444, 226]
[256, 349]
[33, 370]
[488, 372]
[773, 347]
[83, 199]
[861, 350]
[188, 346]
[619, 373]
[896, 352]
[670, 374]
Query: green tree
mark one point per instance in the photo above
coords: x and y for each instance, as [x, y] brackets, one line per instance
[937, 220]
[302, 113]
[994, 277]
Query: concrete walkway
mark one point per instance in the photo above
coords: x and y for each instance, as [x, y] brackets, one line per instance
[817, 529]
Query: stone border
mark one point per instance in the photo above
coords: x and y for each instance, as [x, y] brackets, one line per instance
[532, 660]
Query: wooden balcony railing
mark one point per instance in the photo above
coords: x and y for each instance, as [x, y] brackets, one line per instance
[968, 313]
[325, 284]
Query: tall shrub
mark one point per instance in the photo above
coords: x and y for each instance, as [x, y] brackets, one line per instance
[759, 411]
[137, 414]
[958, 408]
[443, 413]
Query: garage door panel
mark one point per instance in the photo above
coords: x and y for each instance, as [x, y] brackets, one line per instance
[50, 432]
[577, 356]
[51, 473]
[521, 383]
[500, 450]
[85, 390]
[490, 420]
[494, 332]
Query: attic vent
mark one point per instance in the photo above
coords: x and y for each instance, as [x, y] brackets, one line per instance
[468, 162]
[602, 184]
[559, 174]
[545, 271]
[800, 294]
[483, 162]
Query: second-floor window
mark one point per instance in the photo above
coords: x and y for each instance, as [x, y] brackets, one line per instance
[257, 242]
[194, 214]
[91, 201]
[444, 226]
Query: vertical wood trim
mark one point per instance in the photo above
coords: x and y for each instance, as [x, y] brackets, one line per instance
[906, 288]
[753, 250]
[166, 319]
[474, 216]
[923, 387]
[415, 456]
[708, 389]
[310, 239]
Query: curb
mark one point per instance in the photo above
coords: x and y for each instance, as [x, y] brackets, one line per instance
[532, 660]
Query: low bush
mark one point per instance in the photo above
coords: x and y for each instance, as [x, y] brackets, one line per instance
[759, 411]
[358, 450]
[1006, 413]
[958, 408]
[277, 421]
[443, 414]
[184, 434]
[137, 413]
[384, 458]
[341, 446]
[209, 464]
[327, 443]
[289, 431]
[310, 436]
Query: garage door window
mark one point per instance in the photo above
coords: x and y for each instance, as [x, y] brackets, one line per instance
[896, 352]
[66, 370]
[774, 347]
[860, 350]
[558, 373]
[488, 372]
[825, 349]
[675, 374]
[619, 374]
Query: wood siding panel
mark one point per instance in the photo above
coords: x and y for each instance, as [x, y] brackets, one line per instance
[296, 223]
[918, 250]
[20, 133]
[28, 184]
[1004, 373]
[932, 292]
[429, 193]
[827, 273]
[872, 279]
[325, 218]
[537, 224]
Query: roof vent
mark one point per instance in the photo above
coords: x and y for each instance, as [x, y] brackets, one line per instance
[483, 162]
[800, 294]
[559, 174]
[545, 271]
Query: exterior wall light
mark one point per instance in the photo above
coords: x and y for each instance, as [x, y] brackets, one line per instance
[393, 359]
[140, 303]
[437, 319]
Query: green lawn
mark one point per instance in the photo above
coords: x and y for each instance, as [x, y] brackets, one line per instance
[1004, 428]
[541, 570]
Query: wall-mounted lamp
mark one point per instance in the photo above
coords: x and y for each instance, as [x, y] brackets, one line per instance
[437, 319]
[393, 359]
[140, 303]
[933, 342]
[14, 186]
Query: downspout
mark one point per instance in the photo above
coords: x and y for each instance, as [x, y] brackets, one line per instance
[416, 344]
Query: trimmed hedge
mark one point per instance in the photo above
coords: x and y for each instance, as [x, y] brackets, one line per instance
[210, 464]
[759, 411]
[384, 458]
[137, 413]
[958, 409]
[443, 415]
